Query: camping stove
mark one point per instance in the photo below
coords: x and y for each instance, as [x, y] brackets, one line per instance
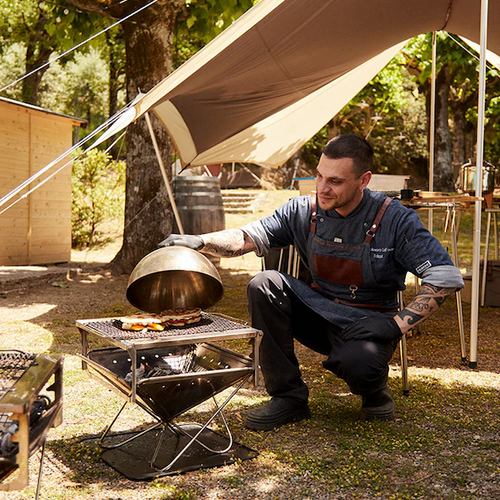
[166, 374]
[26, 414]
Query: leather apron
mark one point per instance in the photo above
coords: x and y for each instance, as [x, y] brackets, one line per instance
[342, 271]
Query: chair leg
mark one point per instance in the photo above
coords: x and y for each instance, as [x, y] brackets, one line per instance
[403, 354]
[461, 328]
[485, 261]
[404, 366]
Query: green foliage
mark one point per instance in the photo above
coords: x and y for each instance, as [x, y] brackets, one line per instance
[202, 21]
[11, 68]
[98, 196]
[400, 138]
[463, 64]
[311, 150]
[391, 111]
[418, 53]
[42, 29]
[208, 18]
[57, 25]
[79, 88]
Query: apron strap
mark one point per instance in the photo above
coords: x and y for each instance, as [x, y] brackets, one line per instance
[372, 307]
[373, 228]
[314, 211]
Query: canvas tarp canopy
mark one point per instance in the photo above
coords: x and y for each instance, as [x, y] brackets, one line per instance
[264, 86]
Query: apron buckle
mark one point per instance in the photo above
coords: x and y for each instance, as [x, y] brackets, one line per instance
[353, 289]
[372, 230]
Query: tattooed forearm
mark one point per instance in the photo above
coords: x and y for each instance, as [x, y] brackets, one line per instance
[428, 300]
[229, 243]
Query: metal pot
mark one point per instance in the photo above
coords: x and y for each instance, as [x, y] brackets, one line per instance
[468, 178]
[174, 277]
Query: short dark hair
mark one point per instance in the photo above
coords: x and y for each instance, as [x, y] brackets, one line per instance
[351, 146]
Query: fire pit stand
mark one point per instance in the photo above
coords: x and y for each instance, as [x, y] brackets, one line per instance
[166, 374]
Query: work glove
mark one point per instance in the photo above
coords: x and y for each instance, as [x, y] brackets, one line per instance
[376, 328]
[183, 240]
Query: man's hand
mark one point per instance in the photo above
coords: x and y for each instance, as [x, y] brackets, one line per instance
[375, 328]
[183, 240]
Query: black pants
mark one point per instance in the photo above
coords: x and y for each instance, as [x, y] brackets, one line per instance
[283, 317]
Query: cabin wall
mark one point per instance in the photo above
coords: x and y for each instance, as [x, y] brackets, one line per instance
[37, 230]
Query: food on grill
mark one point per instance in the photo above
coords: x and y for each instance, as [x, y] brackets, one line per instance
[169, 317]
[181, 317]
[140, 321]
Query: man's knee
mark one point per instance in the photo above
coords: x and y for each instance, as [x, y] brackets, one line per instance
[361, 365]
[262, 283]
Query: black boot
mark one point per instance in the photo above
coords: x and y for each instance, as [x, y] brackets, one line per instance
[378, 406]
[277, 412]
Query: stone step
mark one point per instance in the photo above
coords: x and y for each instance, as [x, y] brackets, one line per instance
[239, 201]
[237, 204]
[238, 210]
[240, 193]
[241, 198]
[248, 199]
[233, 202]
[235, 194]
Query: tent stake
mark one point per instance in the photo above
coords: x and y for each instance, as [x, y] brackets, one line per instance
[164, 174]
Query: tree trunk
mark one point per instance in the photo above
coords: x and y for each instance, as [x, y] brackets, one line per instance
[37, 54]
[148, 214]
[443, 168]
[464, 132]
[463, 137]
[116, 68]
[459, 136]
[114, 41]
[148, 38]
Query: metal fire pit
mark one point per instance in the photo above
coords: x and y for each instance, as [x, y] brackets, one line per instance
[168, 373]
[25, 414]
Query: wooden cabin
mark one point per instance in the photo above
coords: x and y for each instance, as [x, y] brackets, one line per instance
[37, 230]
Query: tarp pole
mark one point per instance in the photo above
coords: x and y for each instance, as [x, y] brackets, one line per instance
[164, 174]
[476, 256]
[432, 127]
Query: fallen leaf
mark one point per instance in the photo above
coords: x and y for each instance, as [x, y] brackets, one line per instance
[60, 284]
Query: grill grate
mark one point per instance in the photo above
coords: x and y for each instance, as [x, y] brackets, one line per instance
[209, 323]
[12, 365]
